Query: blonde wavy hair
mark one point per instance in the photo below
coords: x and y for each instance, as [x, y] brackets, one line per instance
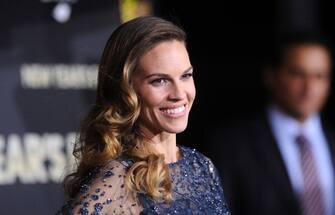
[111, 128]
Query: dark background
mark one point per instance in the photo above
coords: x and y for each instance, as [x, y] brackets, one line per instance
[227, 40]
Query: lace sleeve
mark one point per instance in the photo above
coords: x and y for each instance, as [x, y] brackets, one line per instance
[216, 187]
[213, 172]
[105, 193]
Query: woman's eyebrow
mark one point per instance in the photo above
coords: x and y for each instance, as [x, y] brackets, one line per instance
[164, 75]
[161, 75]
[190, 69]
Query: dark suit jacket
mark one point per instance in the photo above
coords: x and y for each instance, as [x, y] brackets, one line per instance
[254, 176]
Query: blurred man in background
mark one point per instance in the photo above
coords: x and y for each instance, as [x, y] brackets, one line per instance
[282, 162]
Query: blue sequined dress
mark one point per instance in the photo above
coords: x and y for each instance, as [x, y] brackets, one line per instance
[195, 182]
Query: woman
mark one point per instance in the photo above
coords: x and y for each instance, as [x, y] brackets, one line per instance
[129, 162]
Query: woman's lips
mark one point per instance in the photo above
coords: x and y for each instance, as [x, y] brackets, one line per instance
[175, 111]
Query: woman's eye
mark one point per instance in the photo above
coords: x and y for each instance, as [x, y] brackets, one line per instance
[159, 82]
[187, 75]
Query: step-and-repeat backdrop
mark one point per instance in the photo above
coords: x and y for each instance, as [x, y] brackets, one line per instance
[49, 51]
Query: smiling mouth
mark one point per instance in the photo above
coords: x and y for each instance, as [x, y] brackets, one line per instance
[174, 112]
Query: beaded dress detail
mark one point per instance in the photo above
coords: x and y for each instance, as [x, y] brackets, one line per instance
[196, 190]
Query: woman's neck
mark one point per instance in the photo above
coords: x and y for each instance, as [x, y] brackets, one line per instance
[166, 144]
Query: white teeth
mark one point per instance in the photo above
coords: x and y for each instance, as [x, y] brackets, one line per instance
[174, 110]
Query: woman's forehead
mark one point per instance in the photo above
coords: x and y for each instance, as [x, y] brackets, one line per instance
[166, 57]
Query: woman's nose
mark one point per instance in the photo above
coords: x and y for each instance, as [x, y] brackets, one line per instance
[177, 92]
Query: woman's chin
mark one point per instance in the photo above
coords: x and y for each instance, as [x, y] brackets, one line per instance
[174, 128]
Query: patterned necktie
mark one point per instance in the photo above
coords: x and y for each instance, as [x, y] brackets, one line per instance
[311, 199]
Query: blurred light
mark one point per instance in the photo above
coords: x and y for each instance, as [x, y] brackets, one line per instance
[130, 9]
[62, 12]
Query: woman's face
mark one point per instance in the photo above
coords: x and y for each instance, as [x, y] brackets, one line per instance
[164, 84]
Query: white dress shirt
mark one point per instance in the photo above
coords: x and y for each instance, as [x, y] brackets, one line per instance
[285, 130]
